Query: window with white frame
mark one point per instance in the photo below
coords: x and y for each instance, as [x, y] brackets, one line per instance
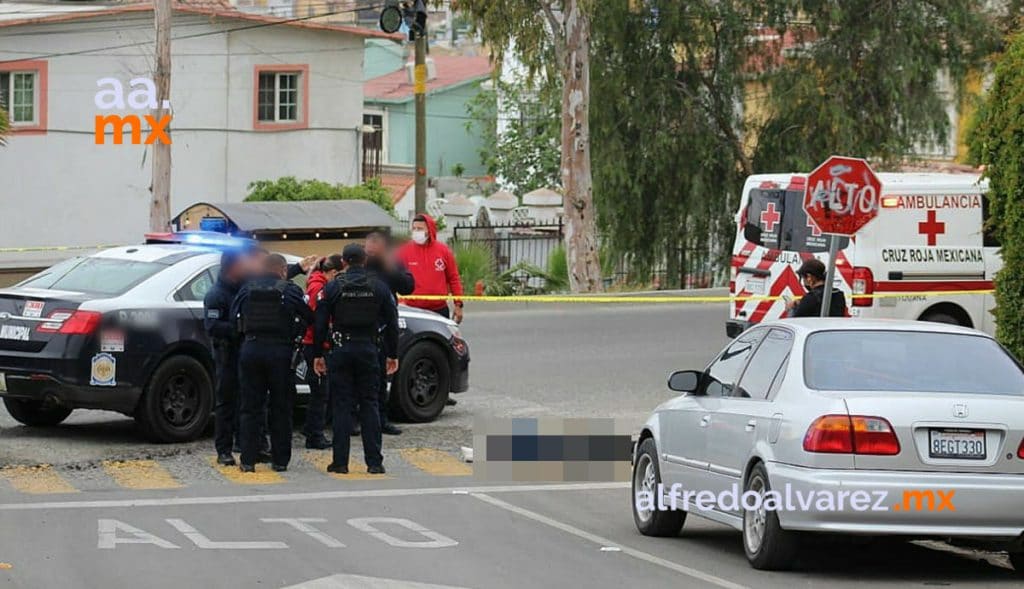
[19, 96]
[278, 97]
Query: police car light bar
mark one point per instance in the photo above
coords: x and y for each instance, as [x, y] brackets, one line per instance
[204, 238]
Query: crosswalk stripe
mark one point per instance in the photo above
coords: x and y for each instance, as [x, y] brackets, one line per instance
[262, 476]
[38, 480]
[436, 462]
[140, 474]
[356, 469]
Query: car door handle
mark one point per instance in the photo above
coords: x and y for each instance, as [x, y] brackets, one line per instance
[704, 421]
[751, 425]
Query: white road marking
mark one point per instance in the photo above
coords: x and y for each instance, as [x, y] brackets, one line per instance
[361, 582]
[108, 538]
[205, 543]
[316, 496]
[367, 524]
[601, 541]
[302, 524]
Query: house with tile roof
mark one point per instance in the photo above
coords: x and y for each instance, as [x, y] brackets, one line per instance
[253, 97]
[452, 82]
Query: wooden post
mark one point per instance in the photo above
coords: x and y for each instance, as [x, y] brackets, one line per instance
[420, 91]
[160, 187]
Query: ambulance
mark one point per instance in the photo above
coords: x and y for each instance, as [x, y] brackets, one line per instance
[924, 256]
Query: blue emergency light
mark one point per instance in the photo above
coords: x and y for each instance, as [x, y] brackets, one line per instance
[203, 238]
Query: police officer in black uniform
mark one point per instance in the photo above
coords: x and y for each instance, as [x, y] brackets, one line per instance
[271, 312]
[382, 264]
[348, 315]
[812, 273]
[224, 334]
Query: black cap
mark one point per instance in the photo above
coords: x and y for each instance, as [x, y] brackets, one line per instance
[812, 267]
[353, 254]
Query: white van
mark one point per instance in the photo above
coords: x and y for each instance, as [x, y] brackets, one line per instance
[929, 237]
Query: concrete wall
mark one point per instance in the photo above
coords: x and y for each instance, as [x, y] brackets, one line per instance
[60, 188]
[448, 140]
[382, 57]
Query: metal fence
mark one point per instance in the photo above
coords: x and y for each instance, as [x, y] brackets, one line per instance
[513, 244]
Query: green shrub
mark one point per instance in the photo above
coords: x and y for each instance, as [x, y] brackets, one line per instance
[476, 262]
[997, 141]
[289, 188]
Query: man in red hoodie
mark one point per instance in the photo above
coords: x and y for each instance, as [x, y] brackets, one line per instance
[316, 411]
[433, 267]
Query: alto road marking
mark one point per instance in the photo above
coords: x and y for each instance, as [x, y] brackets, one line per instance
[41, 479]
[308, 496]
[262, 476]
[140, 474]
[343, 581]
[601, 541]
[435, 462]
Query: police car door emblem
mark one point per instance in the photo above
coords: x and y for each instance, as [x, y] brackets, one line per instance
[960, 410]
[104, 371]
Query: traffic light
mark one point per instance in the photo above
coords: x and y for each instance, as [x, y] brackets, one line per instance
[412, 12]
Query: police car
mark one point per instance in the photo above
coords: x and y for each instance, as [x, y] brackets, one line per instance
[122, 330]
[927, 256]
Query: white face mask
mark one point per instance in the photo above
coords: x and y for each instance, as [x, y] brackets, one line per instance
[419, 237]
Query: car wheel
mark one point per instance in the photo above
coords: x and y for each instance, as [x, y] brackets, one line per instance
[36, 413]
[421, 385]
[1017, 560]
[767, 545]
[177, 402]
[650, 520]
[941, 318]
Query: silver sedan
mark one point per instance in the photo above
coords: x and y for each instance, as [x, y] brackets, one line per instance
[879, 428]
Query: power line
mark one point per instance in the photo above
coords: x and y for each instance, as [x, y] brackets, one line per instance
[198, 35]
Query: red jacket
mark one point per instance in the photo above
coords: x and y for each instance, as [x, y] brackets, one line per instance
[314, 284]
[433, 267]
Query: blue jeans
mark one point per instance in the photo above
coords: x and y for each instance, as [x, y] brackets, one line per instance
[354, 370]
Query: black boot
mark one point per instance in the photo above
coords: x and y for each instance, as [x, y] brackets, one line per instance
[226, 459]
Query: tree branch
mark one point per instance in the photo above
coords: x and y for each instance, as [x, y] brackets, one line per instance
[557, 30]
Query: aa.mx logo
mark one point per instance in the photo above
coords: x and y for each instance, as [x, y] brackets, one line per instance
[142, 97]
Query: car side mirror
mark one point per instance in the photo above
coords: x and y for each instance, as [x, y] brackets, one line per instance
[684, 381]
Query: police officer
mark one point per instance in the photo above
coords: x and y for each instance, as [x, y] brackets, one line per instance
[812, 274]
[381, 263]
[271, 312]
[348, 315]
[224, 335]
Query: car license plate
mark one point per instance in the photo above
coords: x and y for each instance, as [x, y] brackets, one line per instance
[15, 332]
[963, 444]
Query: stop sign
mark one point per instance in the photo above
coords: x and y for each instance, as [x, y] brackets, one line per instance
[842, 195]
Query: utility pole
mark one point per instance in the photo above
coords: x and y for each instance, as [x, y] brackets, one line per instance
[160, 186]
[420, 91]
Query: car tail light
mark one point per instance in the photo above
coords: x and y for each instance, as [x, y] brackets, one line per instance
[1020, 450]
[851, 434]
[71, 322]
[863, 284]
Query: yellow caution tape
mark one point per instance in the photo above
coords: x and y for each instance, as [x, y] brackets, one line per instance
[666, 299]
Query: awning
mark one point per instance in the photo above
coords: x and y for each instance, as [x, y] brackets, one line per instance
[307, 215]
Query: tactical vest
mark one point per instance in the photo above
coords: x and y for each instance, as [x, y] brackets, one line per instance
[264, 313]
[357, 307]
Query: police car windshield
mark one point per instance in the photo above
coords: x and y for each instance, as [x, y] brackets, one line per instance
[99, 276]
[908, 361]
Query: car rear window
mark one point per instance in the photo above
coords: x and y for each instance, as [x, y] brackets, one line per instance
[909, 361]
[775, 219]
[100, 276]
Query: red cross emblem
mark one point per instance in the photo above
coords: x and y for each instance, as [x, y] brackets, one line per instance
[931, 227]
[770, 217]
[813, 227]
